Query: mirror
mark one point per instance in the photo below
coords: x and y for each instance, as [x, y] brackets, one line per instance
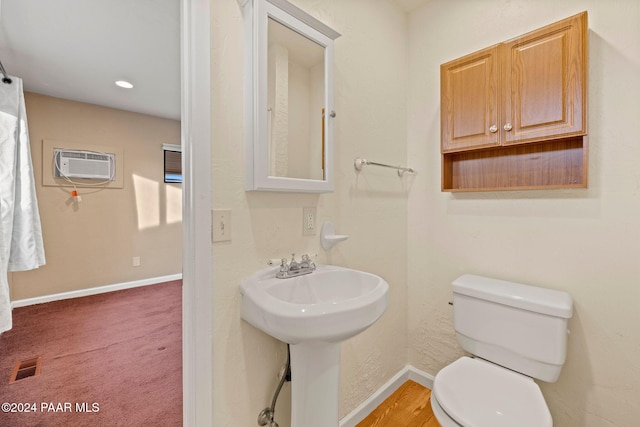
[295, 104]
[289, 99]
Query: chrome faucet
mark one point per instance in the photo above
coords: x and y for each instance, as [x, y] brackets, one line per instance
[294, 268]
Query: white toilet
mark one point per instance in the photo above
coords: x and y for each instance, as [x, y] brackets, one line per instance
[517, 333]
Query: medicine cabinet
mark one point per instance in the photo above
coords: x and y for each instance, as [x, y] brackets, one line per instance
[288, 99]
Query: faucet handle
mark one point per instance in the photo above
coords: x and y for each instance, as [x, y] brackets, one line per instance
[306, 261]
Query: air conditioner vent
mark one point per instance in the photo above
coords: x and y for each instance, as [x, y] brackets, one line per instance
[84, 164]
[93, 156]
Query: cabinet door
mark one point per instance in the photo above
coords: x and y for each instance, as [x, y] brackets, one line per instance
[469, 101]
[544, 83]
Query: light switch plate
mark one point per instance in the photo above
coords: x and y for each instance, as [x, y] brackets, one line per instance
[221, 225]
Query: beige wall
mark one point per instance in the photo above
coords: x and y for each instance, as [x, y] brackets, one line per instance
[387, 100]
[370, 88]
[93, 243]
[586, 242]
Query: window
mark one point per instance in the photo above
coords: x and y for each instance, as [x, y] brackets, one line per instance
[172, 163]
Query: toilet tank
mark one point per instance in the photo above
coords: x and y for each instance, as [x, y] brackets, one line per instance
[520, 327]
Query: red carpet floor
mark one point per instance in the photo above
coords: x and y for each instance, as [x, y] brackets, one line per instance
[112, 359]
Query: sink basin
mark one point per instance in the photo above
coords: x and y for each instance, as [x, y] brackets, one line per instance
[314, 313]
[331, 304]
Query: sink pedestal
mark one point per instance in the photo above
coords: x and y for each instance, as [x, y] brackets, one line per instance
[315, 379]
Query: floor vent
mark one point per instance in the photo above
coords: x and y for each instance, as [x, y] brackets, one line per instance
[26, 368]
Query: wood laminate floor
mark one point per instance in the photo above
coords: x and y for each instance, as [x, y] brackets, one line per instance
[409, 406]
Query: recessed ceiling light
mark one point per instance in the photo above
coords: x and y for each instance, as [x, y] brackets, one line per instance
[124, 84]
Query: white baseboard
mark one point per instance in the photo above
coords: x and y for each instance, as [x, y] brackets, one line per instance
[366, 407]
[94, 291]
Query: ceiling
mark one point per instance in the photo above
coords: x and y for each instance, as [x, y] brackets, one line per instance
[409, 5]
[77, 49]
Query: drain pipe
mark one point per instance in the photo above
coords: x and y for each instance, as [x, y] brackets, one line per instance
[265, 418]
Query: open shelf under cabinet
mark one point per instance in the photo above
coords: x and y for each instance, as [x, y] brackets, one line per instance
[555, 164]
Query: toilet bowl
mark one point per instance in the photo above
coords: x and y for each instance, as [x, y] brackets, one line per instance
[474, 392]
[516, 333]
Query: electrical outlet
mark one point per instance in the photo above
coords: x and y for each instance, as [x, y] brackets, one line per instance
[309, 221]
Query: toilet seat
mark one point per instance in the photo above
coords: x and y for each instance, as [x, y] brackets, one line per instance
[443, 419]
[477, 393]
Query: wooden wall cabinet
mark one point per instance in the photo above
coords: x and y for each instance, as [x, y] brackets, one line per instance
[470, 101]
[514, 115]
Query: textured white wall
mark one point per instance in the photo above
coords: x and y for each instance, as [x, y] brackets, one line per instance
[370, 92]
[586, 242]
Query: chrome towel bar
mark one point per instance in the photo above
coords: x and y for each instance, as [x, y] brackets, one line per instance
[359, 163]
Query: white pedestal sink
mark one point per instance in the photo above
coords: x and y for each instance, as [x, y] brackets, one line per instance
[314, 313]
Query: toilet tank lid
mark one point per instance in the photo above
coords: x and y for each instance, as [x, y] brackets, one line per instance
[532, 298]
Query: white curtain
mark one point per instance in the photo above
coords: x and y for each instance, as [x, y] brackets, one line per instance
[21, 246]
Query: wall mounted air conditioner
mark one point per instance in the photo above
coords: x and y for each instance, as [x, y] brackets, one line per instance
[84, 164]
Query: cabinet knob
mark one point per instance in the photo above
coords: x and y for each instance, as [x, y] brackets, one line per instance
[493, 129]
[508, 127]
